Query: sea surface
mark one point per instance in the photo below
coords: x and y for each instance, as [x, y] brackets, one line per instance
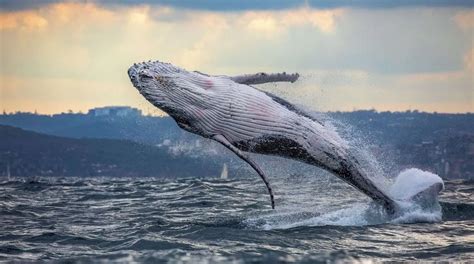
[212, 221]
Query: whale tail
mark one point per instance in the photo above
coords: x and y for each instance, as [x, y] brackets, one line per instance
[417, 186]
[353, 174]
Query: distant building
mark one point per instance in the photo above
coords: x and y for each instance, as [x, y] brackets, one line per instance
[115, 111]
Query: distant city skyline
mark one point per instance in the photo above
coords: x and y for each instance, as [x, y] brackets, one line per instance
[382, 55]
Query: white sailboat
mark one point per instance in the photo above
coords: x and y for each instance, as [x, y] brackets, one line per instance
[225, 172]
[8, 171]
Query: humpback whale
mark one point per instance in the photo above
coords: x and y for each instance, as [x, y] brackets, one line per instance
[245, 119]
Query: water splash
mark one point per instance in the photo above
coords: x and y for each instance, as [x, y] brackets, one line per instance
[352, 213]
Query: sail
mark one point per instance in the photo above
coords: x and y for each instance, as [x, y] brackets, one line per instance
[225, 172]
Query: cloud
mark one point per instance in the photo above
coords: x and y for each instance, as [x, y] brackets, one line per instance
[245, 5]
[351, 57]
[279, 21]
[325, 20]
[386, 41]
[26, 20]
[465, 19]
[61, 14]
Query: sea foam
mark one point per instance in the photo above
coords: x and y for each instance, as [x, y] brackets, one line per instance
[413, 209]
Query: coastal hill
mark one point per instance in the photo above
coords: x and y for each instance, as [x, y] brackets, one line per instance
[437, 142]
[27, 153]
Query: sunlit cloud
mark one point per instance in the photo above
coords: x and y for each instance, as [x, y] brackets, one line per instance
[465, 19]
[275, 22]
[22, 21]
[324, 20]
[75, 55]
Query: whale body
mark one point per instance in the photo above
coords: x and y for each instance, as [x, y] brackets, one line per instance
[245, 119]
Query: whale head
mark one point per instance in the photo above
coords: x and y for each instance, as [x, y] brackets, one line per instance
[181, 94]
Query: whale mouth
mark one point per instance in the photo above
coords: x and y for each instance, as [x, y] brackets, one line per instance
[140, 73]
[143, 74]
[147, 78]
[133, 74]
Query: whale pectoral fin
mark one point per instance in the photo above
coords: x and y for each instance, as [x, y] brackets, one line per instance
[262, 77]
[221, 139]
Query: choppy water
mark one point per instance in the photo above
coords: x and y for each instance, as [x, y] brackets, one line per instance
[153, 220]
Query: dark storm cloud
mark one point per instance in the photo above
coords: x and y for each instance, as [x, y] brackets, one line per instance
[236, 5]
[12, 5]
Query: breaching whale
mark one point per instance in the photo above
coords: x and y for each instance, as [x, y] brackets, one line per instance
[245, 119]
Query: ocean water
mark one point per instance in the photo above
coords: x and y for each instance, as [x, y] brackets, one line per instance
[317, 219]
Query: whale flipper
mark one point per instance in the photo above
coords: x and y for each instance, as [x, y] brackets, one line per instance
[221, 139]
[262, 77]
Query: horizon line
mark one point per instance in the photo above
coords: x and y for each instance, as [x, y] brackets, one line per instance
[148, 113]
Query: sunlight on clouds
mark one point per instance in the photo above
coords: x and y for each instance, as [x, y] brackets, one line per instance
[73, 12]
[75, 55]
[262, 23]
[58, 14]
[325, 20]
[465, 19]
[22, 20]
[276, 22]
[139, 16]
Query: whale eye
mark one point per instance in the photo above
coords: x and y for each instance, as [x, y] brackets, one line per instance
[144, 75]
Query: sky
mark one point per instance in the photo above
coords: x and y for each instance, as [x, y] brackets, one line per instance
[384, 55]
